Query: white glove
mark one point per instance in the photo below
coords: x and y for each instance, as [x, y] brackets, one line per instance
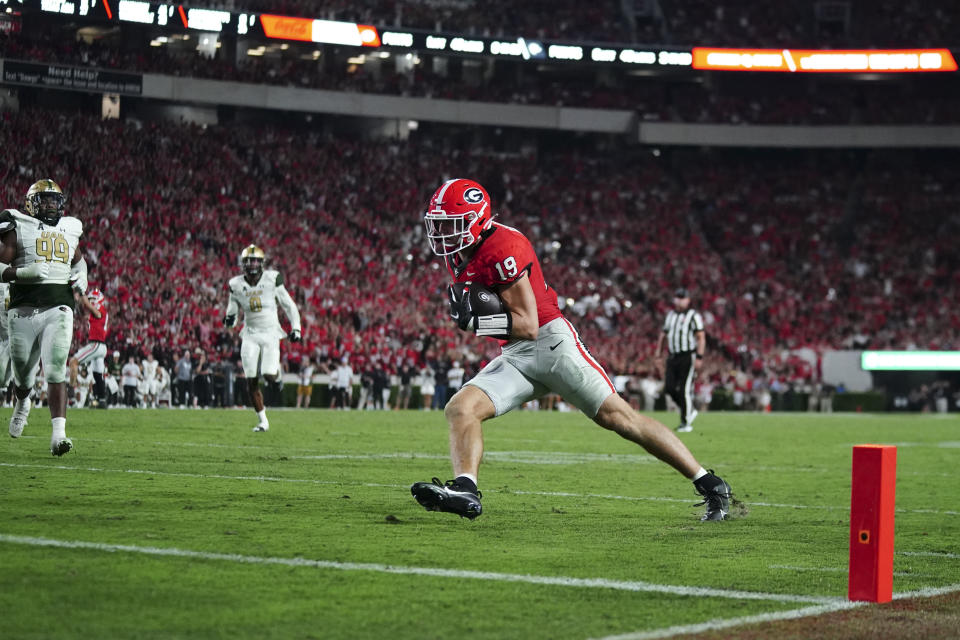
[78, 276]
[33, 272]
[80, 284]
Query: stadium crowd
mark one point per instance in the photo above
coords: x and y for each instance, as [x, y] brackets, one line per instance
[783, 262]
[794, 101]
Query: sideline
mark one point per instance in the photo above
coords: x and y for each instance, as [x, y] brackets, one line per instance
[715, 625]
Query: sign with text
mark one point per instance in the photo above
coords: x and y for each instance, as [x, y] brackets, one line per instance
[55, 76]
[322, 31]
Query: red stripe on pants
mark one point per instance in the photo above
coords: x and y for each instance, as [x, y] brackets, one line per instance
[586, 356]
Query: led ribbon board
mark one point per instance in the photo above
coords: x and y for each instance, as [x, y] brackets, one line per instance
[323, 31]
[910, 361]
[824, 61]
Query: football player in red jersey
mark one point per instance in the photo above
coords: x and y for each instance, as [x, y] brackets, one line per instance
[540, 352]
[93, 353]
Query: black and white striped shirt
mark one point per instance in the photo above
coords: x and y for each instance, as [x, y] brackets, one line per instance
[681, 330]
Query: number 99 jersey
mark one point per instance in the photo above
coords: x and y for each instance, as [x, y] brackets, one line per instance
[41, 242]
[502, 257]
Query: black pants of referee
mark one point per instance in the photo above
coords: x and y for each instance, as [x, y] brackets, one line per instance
[678, 382]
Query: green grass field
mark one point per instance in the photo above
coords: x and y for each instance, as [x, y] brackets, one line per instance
[185, 524]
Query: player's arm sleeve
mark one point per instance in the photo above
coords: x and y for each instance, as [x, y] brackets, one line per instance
[230, 318]
[289, 306]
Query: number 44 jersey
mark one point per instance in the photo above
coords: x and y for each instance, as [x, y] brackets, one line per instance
[39, 242]
[503, 257]
[259, 303]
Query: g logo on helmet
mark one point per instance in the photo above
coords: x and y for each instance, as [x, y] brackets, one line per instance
[473, 195]
[483, 296]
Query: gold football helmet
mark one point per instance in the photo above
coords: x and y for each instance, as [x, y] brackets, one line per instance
[45, 201]
[252, 259]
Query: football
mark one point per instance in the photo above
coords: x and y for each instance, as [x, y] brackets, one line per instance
[483, 301]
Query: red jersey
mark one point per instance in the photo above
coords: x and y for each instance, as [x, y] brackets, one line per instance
[502, 258]
[98, 326]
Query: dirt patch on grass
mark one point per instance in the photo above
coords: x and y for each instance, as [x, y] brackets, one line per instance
[916, 619]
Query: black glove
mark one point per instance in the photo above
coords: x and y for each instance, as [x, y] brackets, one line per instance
[458, 295]
[230, 321]
[294, 336]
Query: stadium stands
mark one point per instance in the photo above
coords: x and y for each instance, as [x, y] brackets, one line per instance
[789, 253]
[796, 251]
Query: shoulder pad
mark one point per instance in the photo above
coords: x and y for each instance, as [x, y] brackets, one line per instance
[10, 218]
[72, 225]
[7, 221]
[505, 256]
[19, 216]
[269, 276]
[279, 279]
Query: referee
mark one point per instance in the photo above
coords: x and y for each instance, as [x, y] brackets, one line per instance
[686, 341]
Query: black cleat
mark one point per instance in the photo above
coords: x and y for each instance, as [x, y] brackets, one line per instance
[449, 497]
[61, 446]
[716, 496]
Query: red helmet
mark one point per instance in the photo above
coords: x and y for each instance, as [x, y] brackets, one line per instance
[459, 212]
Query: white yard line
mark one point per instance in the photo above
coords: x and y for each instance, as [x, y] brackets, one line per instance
[945, 444]
[523, 457]
[927, 592]
[932, 554]
[558, 494]
[749, 503]
[714, 625]
[560, 581]
[373, 456]
[719, 623]
[202, 476]
[531, 457]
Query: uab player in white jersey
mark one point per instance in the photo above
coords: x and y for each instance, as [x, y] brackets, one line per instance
[39, 255]
[149, 385]
[258, 293]
[6, 373]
